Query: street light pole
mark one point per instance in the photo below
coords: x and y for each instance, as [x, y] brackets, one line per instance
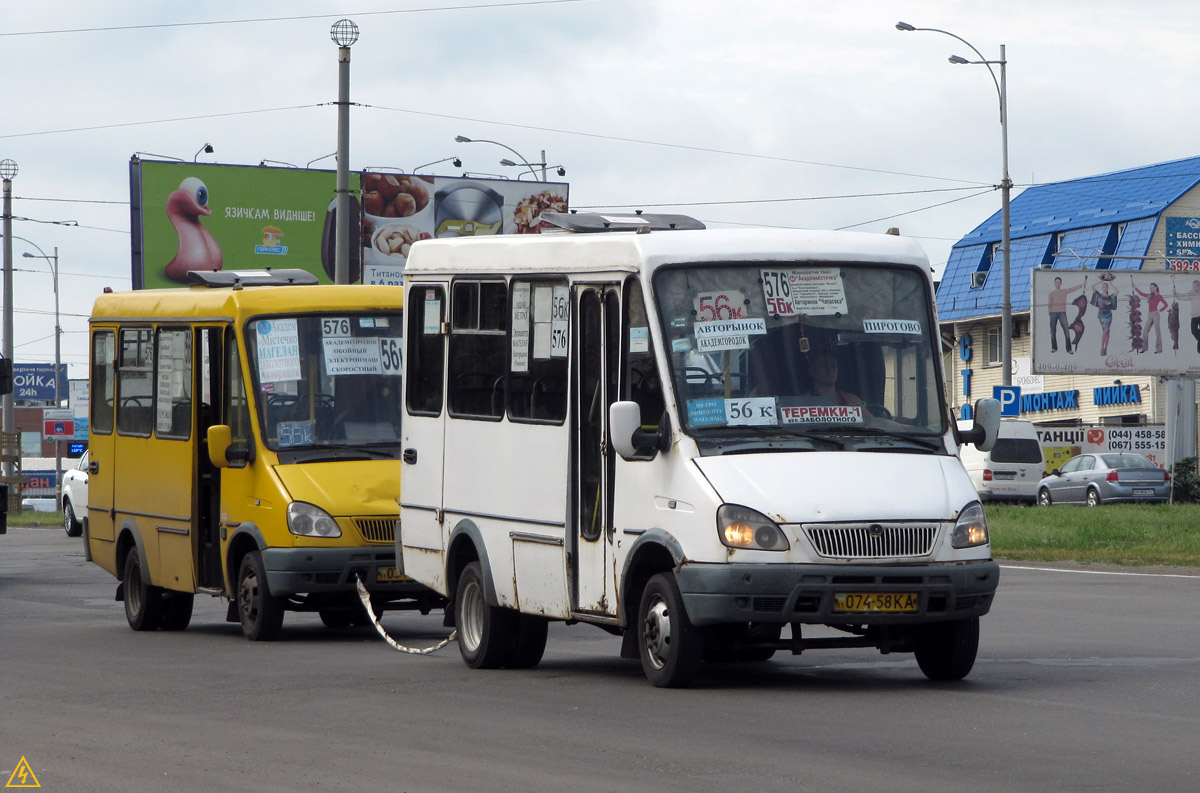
[53, 262]
[344, 33]
[8, 169]
[1005, 188]
[530, 165]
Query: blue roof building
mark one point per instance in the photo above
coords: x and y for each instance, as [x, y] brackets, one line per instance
[1113, 221]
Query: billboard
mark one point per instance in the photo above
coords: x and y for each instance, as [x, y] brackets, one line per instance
[1060, 444]
[1115, 322]
[191, 216]
[35, 381]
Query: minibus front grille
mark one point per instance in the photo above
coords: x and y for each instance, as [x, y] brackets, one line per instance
[381, 530]
[871, 540]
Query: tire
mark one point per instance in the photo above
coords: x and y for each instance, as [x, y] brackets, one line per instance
[1093, 497]
[177, 611]
[670, 648]
[261, 612]
[1043, 497]
[529, 641]
[143, 602]
[486, 634]
[946, 650]
[73, 526]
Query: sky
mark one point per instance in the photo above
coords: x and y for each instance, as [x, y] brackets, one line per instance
[761, 113]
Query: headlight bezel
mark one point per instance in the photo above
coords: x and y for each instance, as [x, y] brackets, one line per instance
[309, 520]
[745, 529]
[970, 529]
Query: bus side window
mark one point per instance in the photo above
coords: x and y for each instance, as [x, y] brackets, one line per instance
[478, 354]
[426, 359]
[173, 395]
[537, 381]
[103, 386]
[235, 408]
[640, 380]
[135, 382]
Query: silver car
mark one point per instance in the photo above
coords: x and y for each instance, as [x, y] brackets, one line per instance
[1094, 479]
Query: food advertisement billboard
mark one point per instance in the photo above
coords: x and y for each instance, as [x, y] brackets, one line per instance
[190, 216]
[1115, 322]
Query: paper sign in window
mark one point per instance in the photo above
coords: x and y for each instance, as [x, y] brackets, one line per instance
[520, 327]
[278, 350]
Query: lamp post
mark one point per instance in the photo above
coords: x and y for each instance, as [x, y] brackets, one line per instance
[531, 166]
[8, 169]
[1005, 186]
[344, 33]
[53, 262]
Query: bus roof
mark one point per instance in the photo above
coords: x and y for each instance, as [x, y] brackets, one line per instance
[623, 251]
[201, 302]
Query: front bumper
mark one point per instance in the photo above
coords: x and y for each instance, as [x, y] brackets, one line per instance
[292, 571]
[777, 593]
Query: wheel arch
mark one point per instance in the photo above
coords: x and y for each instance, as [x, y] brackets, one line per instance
[655, 551]
[129, 540]
[245, 538]
[466, 545]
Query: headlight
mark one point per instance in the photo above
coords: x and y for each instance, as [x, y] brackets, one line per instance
[307, 520]
[741, 527]
[971, 529]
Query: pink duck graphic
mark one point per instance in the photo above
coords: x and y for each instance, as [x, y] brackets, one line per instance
[197, 248]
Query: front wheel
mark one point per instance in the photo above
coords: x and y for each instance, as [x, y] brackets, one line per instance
[486, 634]
[670, 647]
[261, 612]
[946, 650]
[1093, 497]
[1043, 499]
[143, 601]
[73, 525]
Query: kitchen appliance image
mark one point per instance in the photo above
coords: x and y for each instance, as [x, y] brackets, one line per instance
[329, 240]
[468, 210]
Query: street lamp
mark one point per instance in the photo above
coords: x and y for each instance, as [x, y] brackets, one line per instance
[457, 163]
[207, 148]
[344, 33]
[1005, 186]
[53, 262]
[531, 166]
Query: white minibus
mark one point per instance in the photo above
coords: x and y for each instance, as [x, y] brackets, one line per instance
[692, 439]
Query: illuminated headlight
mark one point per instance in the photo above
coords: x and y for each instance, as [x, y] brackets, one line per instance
[740, 527]
[306, 520]
[971, 529]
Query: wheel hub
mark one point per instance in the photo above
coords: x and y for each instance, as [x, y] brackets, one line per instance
[656, 633]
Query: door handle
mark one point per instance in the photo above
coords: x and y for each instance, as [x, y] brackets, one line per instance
[409, 456]
[93, 467]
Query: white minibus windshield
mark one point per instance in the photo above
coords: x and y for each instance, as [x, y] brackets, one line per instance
[801, 350]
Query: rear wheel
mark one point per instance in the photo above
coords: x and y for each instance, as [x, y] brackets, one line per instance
[486, 634]
[73, 526]
[1043, 498]
[177, 611]
[946, 650]
[261, 612]
[669, 646]
[529, 643]
[143, 602]
[1093, 497]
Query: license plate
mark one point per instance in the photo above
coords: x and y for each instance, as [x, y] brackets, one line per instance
[1005, 475]
[1143, 491]
[893, 602]
[389, 575]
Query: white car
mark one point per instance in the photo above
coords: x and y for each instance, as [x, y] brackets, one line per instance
[75, 497]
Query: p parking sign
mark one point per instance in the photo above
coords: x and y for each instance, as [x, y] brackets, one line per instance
[1009, 397]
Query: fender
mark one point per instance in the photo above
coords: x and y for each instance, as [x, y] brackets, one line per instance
[129, 528]
[652, 540]
[469, 531]
[244, 532]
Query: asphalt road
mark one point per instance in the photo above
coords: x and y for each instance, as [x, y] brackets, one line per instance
[1086, 681]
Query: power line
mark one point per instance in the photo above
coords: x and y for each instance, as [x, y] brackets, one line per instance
[745, 201]
[159, 121]
[259, 20]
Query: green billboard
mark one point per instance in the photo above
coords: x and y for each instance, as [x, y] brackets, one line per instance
[191, 216]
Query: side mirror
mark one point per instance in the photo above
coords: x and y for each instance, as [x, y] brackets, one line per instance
[628, 438]
[1057, 472]
[220, 438]
[986, 425]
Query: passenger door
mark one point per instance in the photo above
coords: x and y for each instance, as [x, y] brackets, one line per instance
[596, 367]
[102, 442]
[424, 430]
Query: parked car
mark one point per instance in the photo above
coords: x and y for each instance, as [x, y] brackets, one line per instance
[1094, 479]
[75, 497]
[1010, 470]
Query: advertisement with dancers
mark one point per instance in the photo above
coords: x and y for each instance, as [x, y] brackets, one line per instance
[1115, 322]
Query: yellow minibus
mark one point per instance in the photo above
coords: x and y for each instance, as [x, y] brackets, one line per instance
[245, 444]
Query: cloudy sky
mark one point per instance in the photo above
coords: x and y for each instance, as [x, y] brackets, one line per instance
[780, 113]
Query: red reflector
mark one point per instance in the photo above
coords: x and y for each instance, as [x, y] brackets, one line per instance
[1166, 476]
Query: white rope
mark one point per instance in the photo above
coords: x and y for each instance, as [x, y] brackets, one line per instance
[365, 597]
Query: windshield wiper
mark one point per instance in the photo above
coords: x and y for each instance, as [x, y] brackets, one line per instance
[878, 431]
[774, 432]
